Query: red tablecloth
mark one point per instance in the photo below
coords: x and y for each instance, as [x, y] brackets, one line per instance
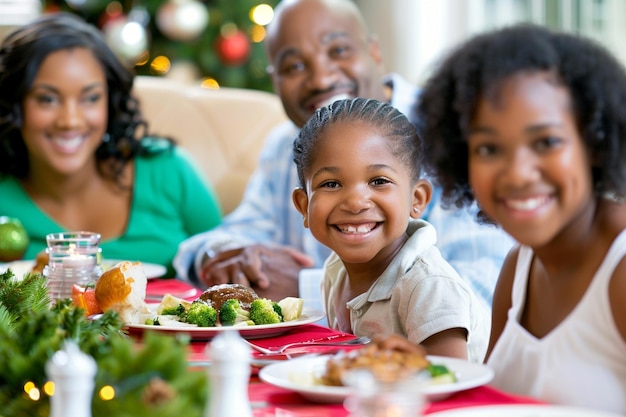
[305, 333]
[268, 400]
[157, 288]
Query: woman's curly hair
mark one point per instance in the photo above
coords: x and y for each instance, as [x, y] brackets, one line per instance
[596, 82]
[21, 55]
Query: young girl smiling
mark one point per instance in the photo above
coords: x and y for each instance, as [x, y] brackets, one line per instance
[359, 164]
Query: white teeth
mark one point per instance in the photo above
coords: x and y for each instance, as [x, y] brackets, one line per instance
[529, 204]
[68, 144]
[357, 229]
[333, 99]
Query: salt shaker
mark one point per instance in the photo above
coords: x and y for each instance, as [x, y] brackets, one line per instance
[73, 373]
[229, 374]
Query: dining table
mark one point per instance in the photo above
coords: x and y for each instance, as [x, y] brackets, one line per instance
[269, 400]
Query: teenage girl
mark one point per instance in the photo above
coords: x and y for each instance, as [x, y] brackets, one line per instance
[532, 124]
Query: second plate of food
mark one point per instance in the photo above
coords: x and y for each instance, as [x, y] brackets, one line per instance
[302, 375]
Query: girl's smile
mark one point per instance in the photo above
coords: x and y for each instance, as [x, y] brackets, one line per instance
[356, 228]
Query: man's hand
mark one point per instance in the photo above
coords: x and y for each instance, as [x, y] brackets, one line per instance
[272, 271]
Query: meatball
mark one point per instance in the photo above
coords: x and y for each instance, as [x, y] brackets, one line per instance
[218, 294]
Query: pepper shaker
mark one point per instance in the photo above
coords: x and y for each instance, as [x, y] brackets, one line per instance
[229, 374]
[73, 373]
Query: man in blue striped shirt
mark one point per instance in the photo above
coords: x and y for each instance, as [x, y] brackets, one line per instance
[319, 51]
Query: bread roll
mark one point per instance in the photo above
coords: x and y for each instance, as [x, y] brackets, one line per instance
[122, 288]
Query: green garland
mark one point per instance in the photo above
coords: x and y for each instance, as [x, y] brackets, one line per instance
[150, 378]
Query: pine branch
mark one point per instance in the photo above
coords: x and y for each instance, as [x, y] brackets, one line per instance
[22, 296]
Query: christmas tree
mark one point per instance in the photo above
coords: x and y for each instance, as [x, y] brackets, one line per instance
[216, 41]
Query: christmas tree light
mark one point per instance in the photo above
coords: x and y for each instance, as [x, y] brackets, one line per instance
[216, 40]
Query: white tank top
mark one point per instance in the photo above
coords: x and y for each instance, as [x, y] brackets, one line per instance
[581, 362]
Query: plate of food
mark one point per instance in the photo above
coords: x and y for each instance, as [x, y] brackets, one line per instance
[256, 331]
[216, 309]
[523, 410]
[306, 376]
[22, 267]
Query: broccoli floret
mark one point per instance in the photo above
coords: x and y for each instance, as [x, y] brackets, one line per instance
[201, 314]
[440, 374]
[438, 370]
[178, 310]
[278, 309]
[265, 311]
[153, 321]
[232, 313]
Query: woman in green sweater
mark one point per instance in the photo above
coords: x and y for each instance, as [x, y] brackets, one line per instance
[75, 155]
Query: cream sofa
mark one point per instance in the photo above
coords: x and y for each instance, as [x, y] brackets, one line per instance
[223, 129]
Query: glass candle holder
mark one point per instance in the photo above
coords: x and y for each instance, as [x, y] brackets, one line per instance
[372, 398]
[73, 258]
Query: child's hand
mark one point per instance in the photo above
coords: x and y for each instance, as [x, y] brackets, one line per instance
[399, 343]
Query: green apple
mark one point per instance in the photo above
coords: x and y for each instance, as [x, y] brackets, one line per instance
[13, 239]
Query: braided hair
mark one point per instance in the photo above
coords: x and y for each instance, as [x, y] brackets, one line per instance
[402, 138]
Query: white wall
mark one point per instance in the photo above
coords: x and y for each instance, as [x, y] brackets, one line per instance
[415, 34]
[16, 13]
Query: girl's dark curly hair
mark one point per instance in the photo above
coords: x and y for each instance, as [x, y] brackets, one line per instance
[21, 55]
[402, 138]
[595, 80]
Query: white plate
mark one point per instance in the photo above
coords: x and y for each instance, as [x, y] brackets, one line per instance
[248, 332]
[522, 410]
[300, 374]
[152, 271]
[20, 268]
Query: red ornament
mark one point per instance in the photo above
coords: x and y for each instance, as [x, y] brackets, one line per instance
[107, 18]
[51, 8]
[233, 49]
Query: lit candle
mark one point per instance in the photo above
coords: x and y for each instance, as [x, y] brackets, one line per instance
[79, 261]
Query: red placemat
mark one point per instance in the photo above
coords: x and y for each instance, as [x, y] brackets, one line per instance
[157, 288]
[304, 333]
[484, 395]
[267, 400]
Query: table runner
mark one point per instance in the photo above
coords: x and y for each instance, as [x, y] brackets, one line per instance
[304, 333]
[157, 288]
[267, 400]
